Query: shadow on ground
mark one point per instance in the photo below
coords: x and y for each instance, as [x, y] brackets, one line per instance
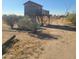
[69, 28]
[16, 30]
[44, 36]
[39, 34]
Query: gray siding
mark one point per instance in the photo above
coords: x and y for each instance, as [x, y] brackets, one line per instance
[32, 9]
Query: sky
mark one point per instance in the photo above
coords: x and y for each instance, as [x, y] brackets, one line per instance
[55, 7]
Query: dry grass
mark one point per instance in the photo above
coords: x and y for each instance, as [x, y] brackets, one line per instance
[33, 47]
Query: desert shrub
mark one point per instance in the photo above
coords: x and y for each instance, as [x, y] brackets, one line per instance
[10, 19]
[26, 23]
[72, 18]
[4, 18]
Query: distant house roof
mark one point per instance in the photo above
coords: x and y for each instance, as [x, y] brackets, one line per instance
[33, 3]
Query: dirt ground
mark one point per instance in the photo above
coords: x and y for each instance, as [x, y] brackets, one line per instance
[52, 43]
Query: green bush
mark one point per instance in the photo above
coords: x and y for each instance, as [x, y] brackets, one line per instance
[26, 23]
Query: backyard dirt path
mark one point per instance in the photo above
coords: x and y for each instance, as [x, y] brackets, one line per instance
[62, 48]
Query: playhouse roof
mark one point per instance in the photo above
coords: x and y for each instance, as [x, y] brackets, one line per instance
[32, 3]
